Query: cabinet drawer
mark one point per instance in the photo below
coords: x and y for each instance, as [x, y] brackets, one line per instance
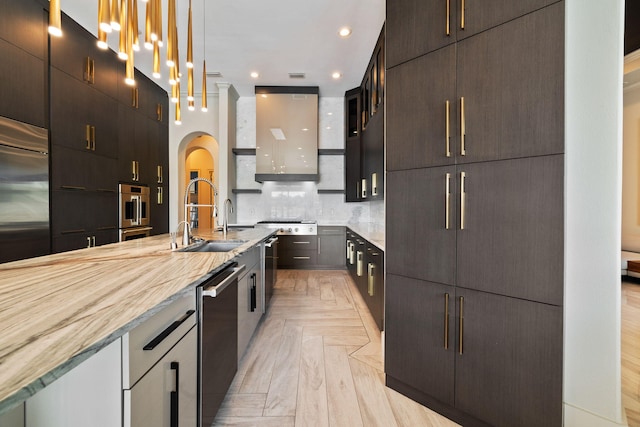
[171, 323]
[298, 242]
[297, 258]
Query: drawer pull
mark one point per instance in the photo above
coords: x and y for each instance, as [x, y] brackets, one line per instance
[175, 366]
[301, 243]
[301, 257]
[446, 321]
[172, 327]
[447, 128]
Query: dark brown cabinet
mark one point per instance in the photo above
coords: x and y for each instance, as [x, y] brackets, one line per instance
[365, 263]
[421, 239]
[417, 27]
[297, 251]
[474, 212]
[364, 132]
[493, 357]
[330, 247]
[444, 113]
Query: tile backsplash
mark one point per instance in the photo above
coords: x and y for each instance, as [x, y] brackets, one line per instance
[300, 200]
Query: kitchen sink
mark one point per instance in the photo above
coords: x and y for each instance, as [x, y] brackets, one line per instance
[213, 246]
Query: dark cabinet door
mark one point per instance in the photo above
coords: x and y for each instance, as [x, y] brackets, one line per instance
[331, 247]
[513, 97]
[24, 25]
[416, 27]
[422, 111]
[510, 369]
[352, 161]
[23, 85]
[421, 224]
[79, 170]
[70, 53]
[374, 296]
[419, 335]
[75, 107]
[512, 241]
[481, 15]
[373, 156]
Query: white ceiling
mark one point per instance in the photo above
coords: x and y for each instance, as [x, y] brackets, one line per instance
[272, 37]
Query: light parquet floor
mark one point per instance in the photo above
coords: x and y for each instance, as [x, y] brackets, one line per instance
[631, 351]
[316, 360]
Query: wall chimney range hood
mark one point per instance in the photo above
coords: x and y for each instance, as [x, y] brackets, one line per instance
[286, 133]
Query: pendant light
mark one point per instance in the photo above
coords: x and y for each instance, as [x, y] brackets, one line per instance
[204, 87]
[174, 94]
[130, 73]
[134, 26]
[158, 22]
[178, 113]
[192, 105]
[204, 108]
[171, 23]
[190, 96]
[55, 20]
[104, 15]
[122, 45]
[156, 59]
[148, 41]
[190, 40]
[115, 15]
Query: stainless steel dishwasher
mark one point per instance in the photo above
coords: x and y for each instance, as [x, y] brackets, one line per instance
[218, 339]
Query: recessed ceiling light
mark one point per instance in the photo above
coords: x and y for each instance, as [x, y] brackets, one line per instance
[336, 75]
[255, 74]
[345, 32]
[329, 113]
[304, 129]
[328, 127]
[264, 95]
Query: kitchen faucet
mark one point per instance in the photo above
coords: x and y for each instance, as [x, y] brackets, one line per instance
[228, 208]
[186, 233]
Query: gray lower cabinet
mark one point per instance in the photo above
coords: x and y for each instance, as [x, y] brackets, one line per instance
[168, 391]
[250, 299]
[330, 247]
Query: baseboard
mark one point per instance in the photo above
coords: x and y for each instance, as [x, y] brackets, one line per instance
[577, 417]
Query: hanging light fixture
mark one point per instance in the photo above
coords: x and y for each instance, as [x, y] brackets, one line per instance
[171, 23]
[134, 21]
[178, 113]
[192, 105]
[115, 15]
[172, 76]
[190, 96]
[55, 20]
[102, 39]
[204, 87]
[174, 94]
[130, 72]
[158, 22]
[102, 34]
[149, 13]
[104, 15]
[122, 45]
[190, 40]
[156, 59]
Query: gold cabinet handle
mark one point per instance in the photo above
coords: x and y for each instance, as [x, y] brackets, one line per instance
[374, 184]
[447, 201]
[160, 178]
[348, 249]
[160, 195]
[463, 196]
[301, 257]
[447, 128]
[371, 267]
[352, 257]
[359, 265]
[448, 26]
[463, 128]
[134, 97]
[364, 188]
[461, 326]
[446, 321]
[87, 136]
[89, 70]
[88, 242]
[159, 112]
[462, 15]
[93, 138]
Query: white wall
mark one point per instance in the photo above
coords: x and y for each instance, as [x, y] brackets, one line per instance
[630, 170]
[593, 137]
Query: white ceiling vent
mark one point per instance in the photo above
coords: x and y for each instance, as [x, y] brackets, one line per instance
[214, 74]
[296, 75]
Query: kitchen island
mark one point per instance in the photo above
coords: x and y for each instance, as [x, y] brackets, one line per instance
[58, 310]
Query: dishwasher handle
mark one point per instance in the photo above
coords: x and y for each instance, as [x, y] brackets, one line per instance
[214, 290]
[269, 243]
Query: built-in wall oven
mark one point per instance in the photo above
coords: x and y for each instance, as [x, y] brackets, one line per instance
[134, 212]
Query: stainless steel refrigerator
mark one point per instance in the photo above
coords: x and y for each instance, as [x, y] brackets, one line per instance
[24, 191]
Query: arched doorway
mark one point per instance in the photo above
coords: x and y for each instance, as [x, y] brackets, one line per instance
[198, 157]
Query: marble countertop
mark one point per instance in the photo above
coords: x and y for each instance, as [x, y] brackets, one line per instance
[57, 310]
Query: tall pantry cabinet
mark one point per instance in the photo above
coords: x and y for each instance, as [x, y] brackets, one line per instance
[475, 170]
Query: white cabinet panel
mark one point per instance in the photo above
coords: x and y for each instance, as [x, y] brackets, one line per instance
[88, 395]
